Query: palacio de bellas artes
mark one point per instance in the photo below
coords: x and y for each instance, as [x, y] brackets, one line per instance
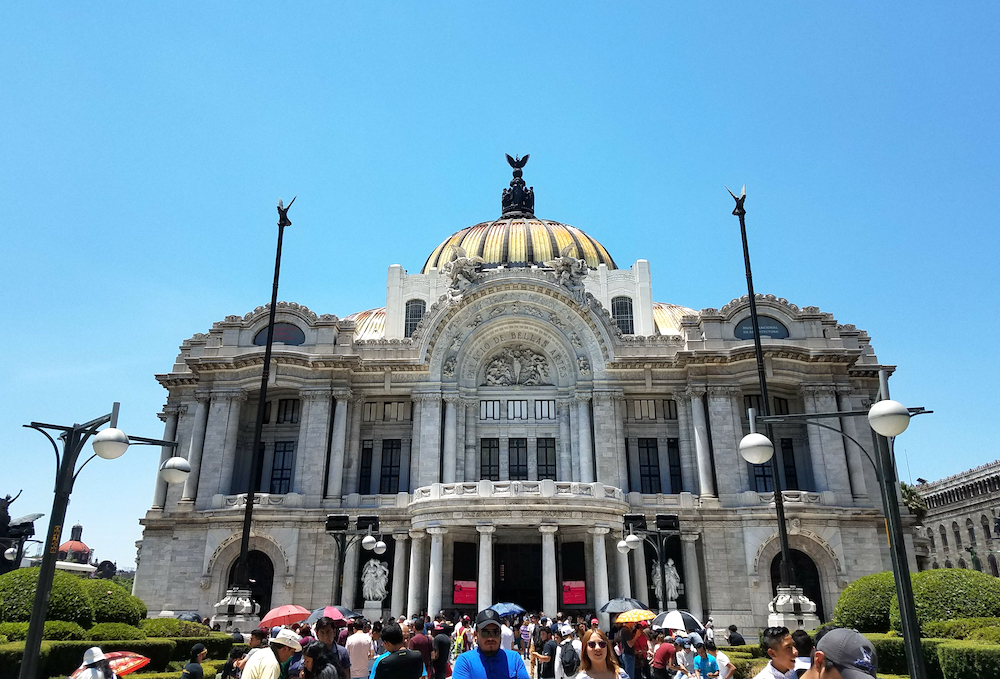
[518, 405]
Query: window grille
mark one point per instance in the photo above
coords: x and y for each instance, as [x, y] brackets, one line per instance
[621, 313]
[517, 452]
[365, 477]
[762, 481]
[545, 409]
[414, 312]
[395, 411]
[489, 410]
[670, 409]
[644, 409]
[674, 460]
[391, 452]
[517, 410]
[489, 461]
[780, 406]
[288, 411]
[281, 468]
[649, 466]
[788, 459]
[546, 458]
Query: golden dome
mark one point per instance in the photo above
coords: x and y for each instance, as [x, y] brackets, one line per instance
[370, 324]
[668, 317]
[520, 242]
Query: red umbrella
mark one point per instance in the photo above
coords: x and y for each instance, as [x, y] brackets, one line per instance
[328, 612]
[284, 615]
[122, 662]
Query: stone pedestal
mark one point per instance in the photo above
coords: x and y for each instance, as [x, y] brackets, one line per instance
[373, 610]
[792, 609]
[237, 611]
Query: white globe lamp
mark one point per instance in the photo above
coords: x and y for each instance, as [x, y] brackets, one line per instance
[622, 547]
[756, 448]
[10, 554]
[369, 542]
[175, 470]
[633, 541]
[889, 418]
[380, 547]
[110, 443]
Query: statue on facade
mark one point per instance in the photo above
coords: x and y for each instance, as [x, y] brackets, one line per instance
[518, 201]
[463, 272]
[517, 365]
[375, 580]
[5, 503]
[673, 579]
[283, 212]
[570, 273]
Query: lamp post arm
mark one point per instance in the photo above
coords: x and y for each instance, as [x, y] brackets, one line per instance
[55, 446]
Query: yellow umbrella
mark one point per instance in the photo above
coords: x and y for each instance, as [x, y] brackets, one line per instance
[635, 615]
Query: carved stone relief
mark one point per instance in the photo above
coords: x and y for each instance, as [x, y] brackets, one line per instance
[517, 365]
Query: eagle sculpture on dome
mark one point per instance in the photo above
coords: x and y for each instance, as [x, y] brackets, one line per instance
[518, 200]
[518, 162]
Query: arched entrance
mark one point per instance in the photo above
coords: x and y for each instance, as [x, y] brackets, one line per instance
[804, 574]
[261, 572]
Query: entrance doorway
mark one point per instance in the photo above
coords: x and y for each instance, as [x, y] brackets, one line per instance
[261, 572]
[517, 573]
[804, 574]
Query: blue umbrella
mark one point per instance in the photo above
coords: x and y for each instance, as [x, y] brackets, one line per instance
[506, 609]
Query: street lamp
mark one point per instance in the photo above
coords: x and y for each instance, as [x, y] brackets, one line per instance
[338, 527]
[887, 419]
[109, 444]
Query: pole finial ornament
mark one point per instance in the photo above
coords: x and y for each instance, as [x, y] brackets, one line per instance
[283, 212]
[739, 211]
[518, 201]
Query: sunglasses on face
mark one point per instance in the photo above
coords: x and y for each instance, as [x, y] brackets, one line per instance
[489, 633]
[597, 644]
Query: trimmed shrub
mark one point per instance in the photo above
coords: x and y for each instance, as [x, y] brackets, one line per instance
[61, 658]
[949, 593]
[218, 645]
[969, 660]
[892, 655]
[960, 628]
[114, 631]
[209, 668]
[745, 669]
[54, 630]
[753, 650]
[172, 628]
[864, 604]
[68, 601]
[113, 603]
[990, 635]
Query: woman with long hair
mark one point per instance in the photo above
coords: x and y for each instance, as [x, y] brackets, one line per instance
[317, 663]
[597, 661]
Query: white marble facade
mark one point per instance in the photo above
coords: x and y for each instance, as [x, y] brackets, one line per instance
[504, 440]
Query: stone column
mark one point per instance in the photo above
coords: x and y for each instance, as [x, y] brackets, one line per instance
[310, 453]
[450, 461]
[350, 574]
[641, 589]
[429, 470]
[618, 412]
[233, 401]
[352, 463]
[586, 452]
[471, 443]
[418, 412]
[564, 449]
[826, 448]
[460, 440]
[855, 458]
[398, 600]
[601, 594]
[624, 581]
[550, 586]
[610, 461]
[484, 588]
[338, 447]
[169, 416]
[435, 571]
[701, 444]
[196, 447]
[413, 581]
[685, 440]
[692, 588]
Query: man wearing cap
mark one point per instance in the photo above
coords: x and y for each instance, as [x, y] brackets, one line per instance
[266, 664]
[193, 669]
[397, 662]
[843, 654]
[488, 660]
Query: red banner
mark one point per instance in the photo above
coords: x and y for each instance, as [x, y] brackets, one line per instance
[465, 592]
[574, 592]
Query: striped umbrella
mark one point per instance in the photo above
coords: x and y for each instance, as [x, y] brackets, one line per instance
[635, 615]
[121, 662]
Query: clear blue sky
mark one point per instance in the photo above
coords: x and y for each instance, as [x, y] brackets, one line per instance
[144, 146]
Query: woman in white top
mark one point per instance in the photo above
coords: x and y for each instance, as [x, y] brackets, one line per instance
[597, 661]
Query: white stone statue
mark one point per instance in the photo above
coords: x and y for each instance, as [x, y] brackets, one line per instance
[570, 272]
[463, 271]
[673, 579]
[374, 580]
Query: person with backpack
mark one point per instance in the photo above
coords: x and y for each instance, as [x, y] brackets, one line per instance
[567, 653]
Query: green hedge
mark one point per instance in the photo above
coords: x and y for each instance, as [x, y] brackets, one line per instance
[989, 635]
[114, 631]
[69, 600]
[210, 668]
[949, 593]
[54, 630]
[892, 655]
[746, 669]
[113, 603]
[61, 658]
[753, 649]
[217, 644]
[172, 628]
[969, 660]
[864, 604]
[959, 628]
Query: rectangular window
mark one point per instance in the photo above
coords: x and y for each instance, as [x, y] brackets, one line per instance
[546, 458]
[517, 410]
[464, 564]
[489, 410]
[752, 401]
[281, 469]
[780, 406]
[644, 409]
[788, 459]
[365, 477]
[670, 409]
[391, 451]
[545, 410]
[369, 412]
[762, 478]
[288, 411]
[674, 460]
[649, 466]
[489, 459]
[395, 411]
[517, 452]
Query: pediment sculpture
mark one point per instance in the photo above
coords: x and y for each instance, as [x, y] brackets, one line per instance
[517, 365]
[570, 273]
[463, 272]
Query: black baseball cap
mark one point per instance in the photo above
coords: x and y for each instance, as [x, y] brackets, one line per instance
[487, 617]
[851, 652]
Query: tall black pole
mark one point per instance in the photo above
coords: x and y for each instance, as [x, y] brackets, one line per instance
[779, 502]
[257, 460]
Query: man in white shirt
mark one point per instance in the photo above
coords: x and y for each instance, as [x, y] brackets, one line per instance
[359, 647]
[266, 663]
[565, 640]
[777, 643]
[506, 636]
[726, 666]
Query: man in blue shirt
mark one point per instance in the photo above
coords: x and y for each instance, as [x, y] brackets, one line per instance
[488, 660]
[705, 665]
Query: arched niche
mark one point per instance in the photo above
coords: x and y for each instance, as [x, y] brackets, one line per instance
[260, 572]
[805, 574]
[828, 567]
[216, 577]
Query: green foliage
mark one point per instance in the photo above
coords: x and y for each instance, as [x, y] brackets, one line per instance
[209, 668]
[54, 630]
[892, 654]
[969, 660]
[68, 601]
[114, 631]
[864, 604]
[746, 669]
[990, 635]
[959, 628]
[754, 650]
[125, 581]
[113, 603]
[172, 628]
[61, 658]
[217, 644]
[948, 593]
[3, 640]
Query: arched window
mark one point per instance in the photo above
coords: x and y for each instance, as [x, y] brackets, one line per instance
[986, 528]
[621, 313]
[971, 528]
[414, 312]
[944, 537]
[962, 564]
[994, 567]
[958, 535]
[948, 564]
[935, 565]
[930, 534]
[286, 333]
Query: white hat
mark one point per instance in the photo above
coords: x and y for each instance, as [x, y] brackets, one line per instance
[287, 637]
[92, 655]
